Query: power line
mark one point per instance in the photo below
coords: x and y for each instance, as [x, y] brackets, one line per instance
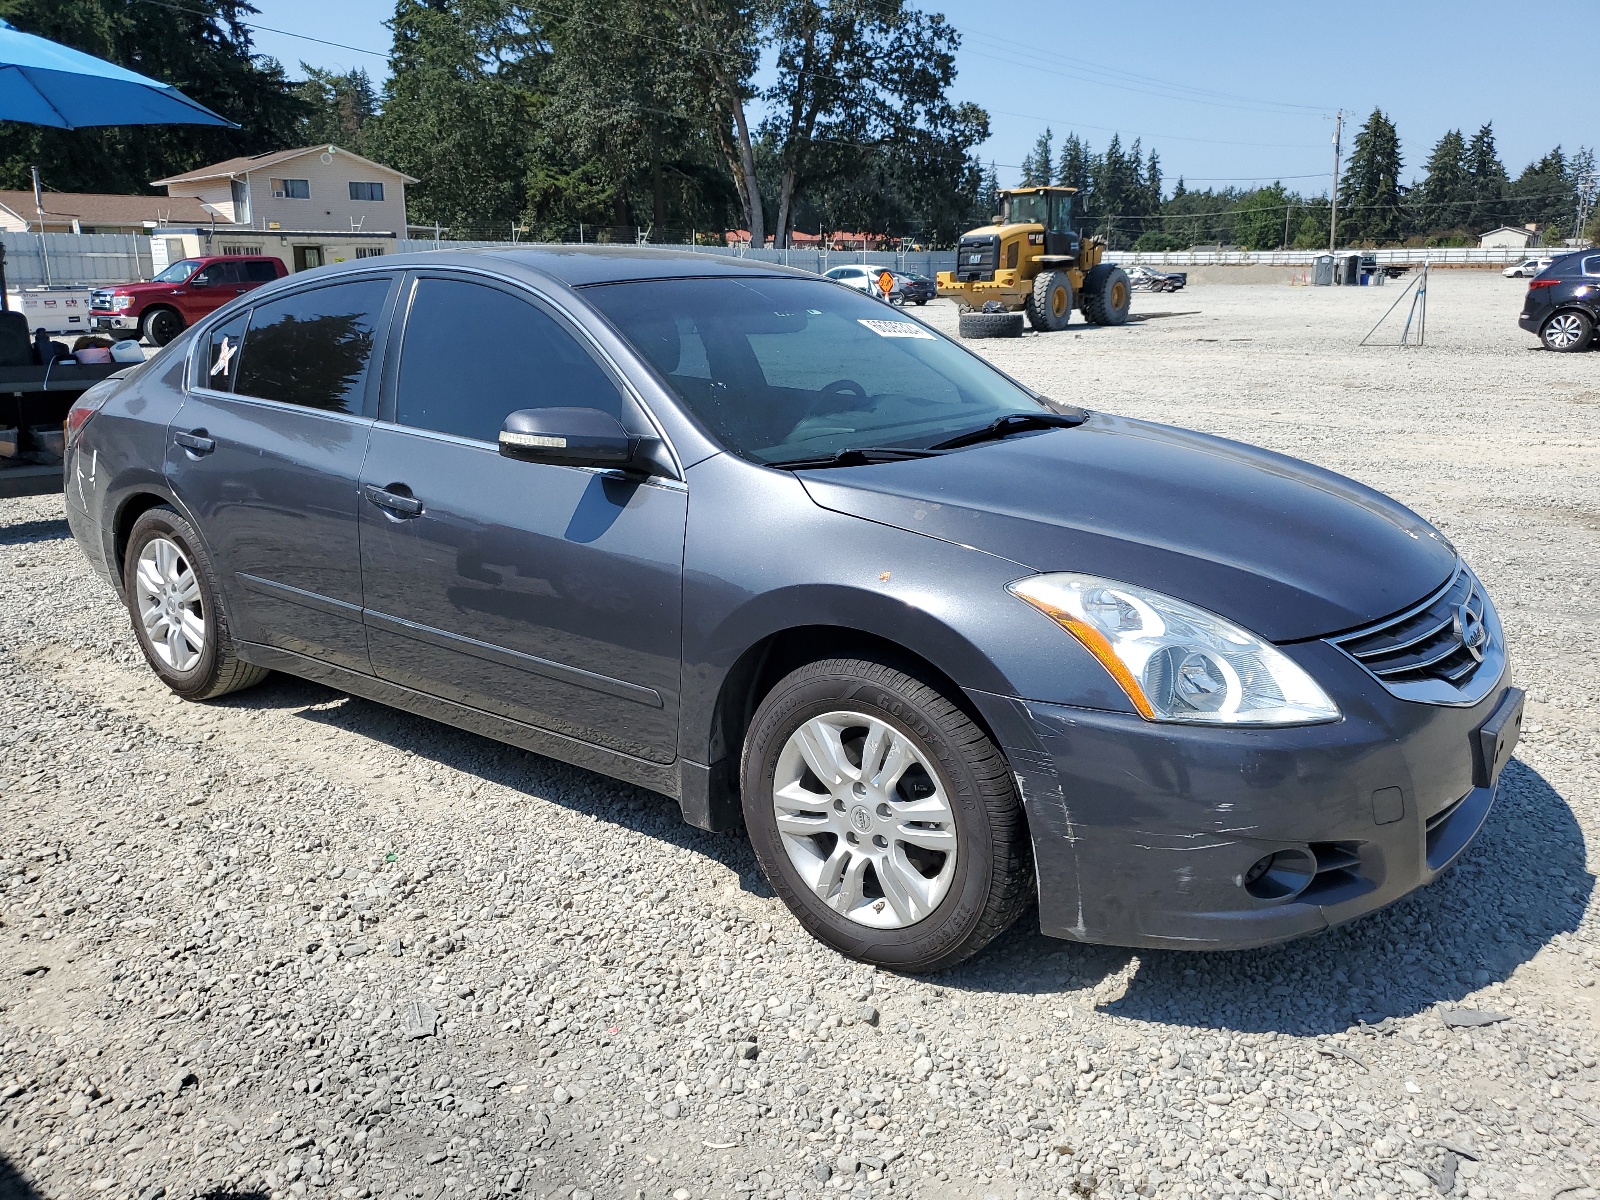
[1141, 84]
[304, 37]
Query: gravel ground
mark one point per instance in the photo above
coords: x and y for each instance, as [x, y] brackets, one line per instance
[253, 948]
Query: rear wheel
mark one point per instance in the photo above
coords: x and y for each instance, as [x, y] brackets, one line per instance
[883, 816]
[1050, 306]
[1107, 295]
[160, 325]
[171, 593]
[1566, 332]
[990, 325]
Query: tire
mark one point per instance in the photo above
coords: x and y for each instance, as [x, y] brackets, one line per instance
[990, 325]
[944, 905]
[919, 303]
[159, 326]
[1049, 309]
[1566, 332]
[1107, 295]
[167, 570]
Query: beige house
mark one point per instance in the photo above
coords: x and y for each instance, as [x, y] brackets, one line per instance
[93, 212]
[314, 205]
[1511, 237]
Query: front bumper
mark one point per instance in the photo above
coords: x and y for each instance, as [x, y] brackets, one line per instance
[118, 321]
[1143, 832]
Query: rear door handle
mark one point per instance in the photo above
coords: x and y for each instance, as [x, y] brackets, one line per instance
[405, 506]
[196, 443]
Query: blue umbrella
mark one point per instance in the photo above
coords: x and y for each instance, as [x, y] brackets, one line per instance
[43, 83]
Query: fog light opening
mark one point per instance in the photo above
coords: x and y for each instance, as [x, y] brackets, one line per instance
[1280, 876]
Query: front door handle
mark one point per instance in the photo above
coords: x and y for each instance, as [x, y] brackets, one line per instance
[195, 442]
[405, 506]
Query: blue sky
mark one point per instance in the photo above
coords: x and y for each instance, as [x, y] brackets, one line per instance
[1234, 93]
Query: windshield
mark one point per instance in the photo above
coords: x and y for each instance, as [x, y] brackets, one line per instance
[781, 369]
[178, 271]
[1030, 207]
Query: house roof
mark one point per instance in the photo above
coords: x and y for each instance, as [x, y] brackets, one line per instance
[1521, 230]
[91, 208]
[234, 168]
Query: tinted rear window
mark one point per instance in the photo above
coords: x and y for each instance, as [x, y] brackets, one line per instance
[259, 272]
[313, 348]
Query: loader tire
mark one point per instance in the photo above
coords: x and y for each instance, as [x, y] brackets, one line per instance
[1107, 295]
[973, 325]
[1050, 307]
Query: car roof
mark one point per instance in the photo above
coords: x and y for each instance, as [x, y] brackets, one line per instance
[580, 265]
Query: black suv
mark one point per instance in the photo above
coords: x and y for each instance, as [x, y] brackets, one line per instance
[1563, 302]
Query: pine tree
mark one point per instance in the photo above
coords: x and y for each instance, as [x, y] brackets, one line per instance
[1444, 198]
[1488, 182]
[1036, 163]
[1370, 197]
[1544, 195]
[989, 194]
[339, 105]
[1075, 166]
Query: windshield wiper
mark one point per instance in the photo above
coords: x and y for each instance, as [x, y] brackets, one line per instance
[1007, 425]
[854, 456]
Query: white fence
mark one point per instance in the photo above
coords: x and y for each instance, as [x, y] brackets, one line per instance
[75, 258]
[1451, 256]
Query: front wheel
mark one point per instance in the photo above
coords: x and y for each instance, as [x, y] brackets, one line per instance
[160, 325]
[1107, 295]
[883, 816]
[1566, 332]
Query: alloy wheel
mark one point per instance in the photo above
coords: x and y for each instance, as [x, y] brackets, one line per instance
[1564, 331]
[169, 601]
[865, 819]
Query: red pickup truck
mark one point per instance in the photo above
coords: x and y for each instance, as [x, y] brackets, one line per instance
[178, 297]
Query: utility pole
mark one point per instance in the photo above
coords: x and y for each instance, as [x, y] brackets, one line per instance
[1333, 217]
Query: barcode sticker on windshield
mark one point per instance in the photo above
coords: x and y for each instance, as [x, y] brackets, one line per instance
[898, 329]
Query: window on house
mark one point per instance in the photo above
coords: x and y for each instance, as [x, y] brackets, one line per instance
[227, 249]
[369, 251]
[292, 189]
[240, 192]
[366, 191]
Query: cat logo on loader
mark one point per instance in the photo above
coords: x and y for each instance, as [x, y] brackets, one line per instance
[1033, 262]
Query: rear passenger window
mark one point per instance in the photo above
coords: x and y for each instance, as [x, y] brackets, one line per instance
[258, 272]
[472, 354]
[313, 348]
[222, 361]
[1591, 265]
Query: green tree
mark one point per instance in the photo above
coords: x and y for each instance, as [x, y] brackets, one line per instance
[1487, 174]
[201, 47]
[1036, 163]
[1076, 166]
[1260, 218]
[1544, 195]
[338, 106]
[1444, 198]
[460, 109]
[1370, 197]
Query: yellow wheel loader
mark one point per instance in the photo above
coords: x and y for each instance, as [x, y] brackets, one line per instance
[1033, 260]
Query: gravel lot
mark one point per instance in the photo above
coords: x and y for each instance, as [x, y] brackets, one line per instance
[293, 943]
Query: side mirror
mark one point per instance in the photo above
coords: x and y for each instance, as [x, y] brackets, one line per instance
[575, 437]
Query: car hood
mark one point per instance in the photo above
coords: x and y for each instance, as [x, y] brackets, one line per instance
[138, 289]
[1286, 549]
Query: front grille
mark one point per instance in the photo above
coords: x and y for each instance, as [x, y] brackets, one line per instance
[1445, 639]
[977, 255]
[100, 300]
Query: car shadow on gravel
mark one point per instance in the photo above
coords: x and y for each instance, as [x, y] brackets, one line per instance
[599, 796]
[1521, 883]
[12, 1185]
[22, 532]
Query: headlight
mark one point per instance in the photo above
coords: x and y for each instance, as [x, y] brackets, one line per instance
[1177, 662]
[121, 301]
